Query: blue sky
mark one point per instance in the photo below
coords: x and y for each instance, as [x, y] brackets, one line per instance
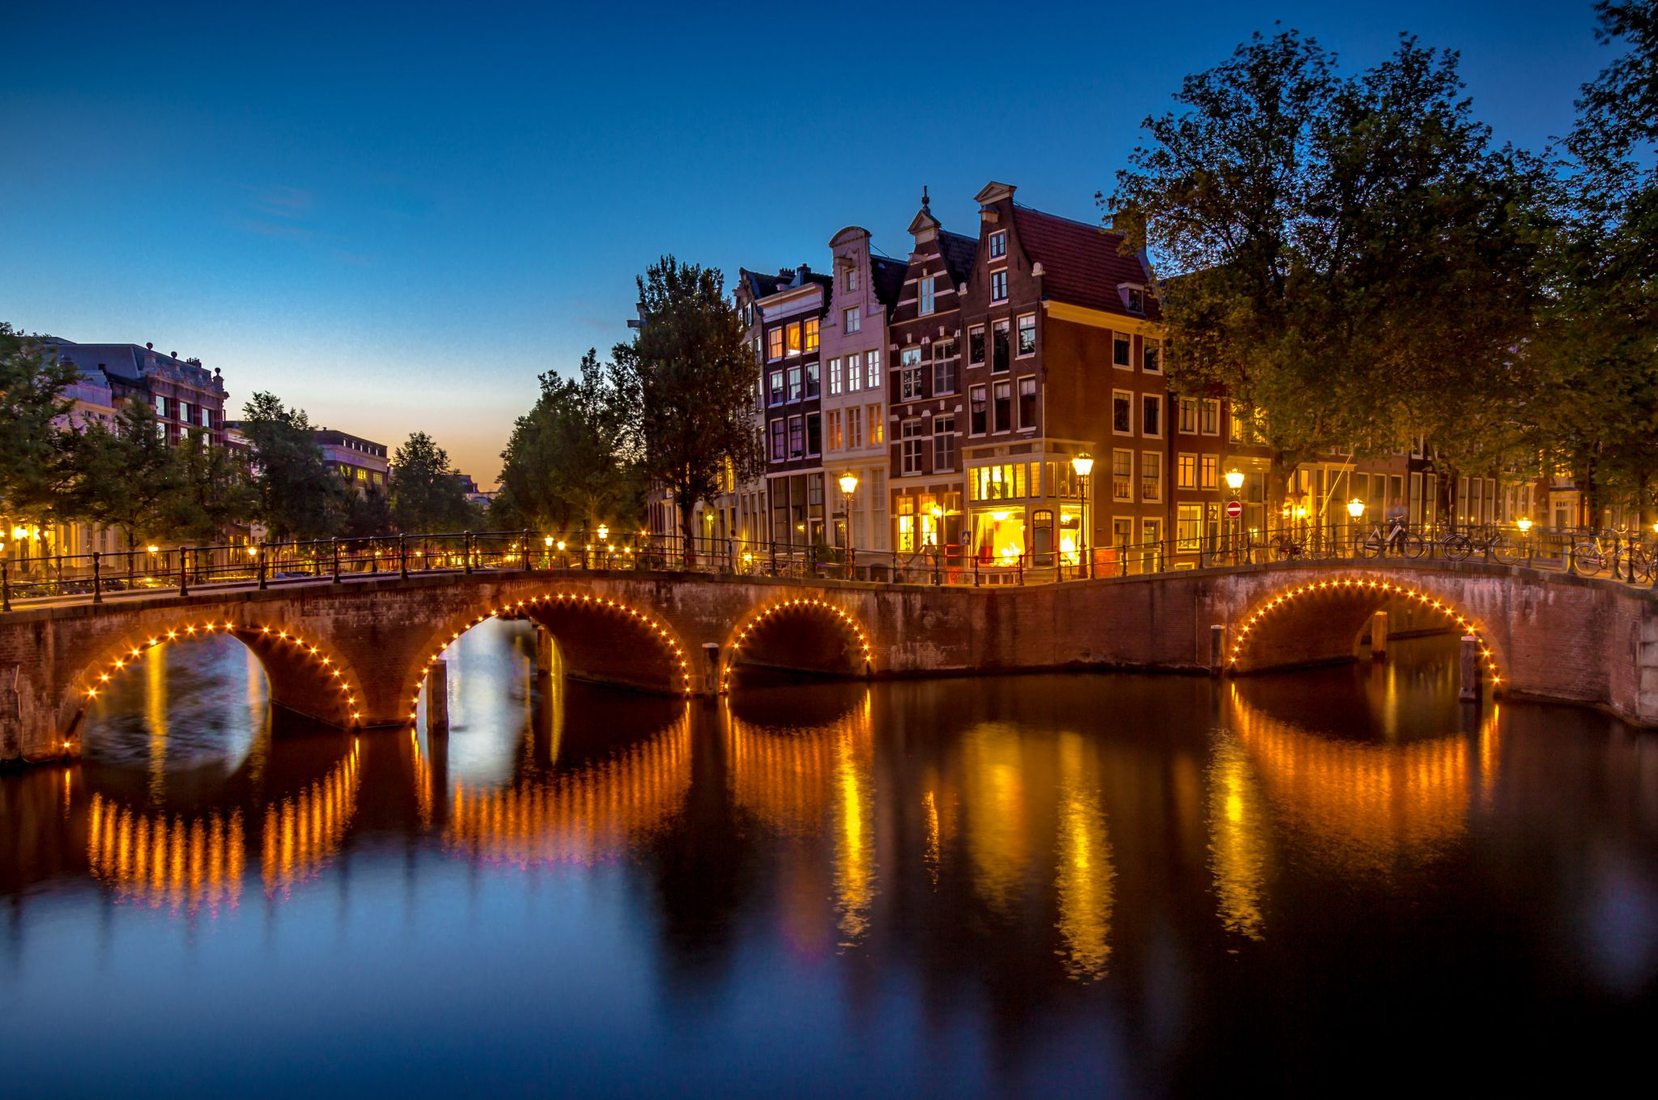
[397, 216]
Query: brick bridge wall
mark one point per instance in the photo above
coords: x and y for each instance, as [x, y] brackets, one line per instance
[356, 653]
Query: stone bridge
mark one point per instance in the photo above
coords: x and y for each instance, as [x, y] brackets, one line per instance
[357, 653]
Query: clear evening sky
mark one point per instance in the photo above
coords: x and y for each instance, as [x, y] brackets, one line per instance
[396, 217]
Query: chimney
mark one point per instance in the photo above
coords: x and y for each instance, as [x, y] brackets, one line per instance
[148, 346]
[173, 354]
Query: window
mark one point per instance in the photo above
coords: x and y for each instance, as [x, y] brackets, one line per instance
[1247, 427]
[1119, 351]
[909, 374]
[812, 383]
[926, 302]
[1122, 412]
[998, 347]
[854, 428]
[1211, 416]
[1185, 471]
[998, 286]
[778, 441]
[207, 418]
[877, 426]
[797, 437]
[1027, 334]
[836, 440]
[774, 343]
[1153, 356]
[835, 383]
[160, 405]
[873, 361]
[811, 334]
[1151, 415]
[791, 341]
[1187, 410]
[854, 373]
[1002, 406]
[944, 367]
[1027, 402]
[1136, 300]
[775, 396]
[911, 445]
[853, 323]
[975, 345]
[944, 443]
[1151, 476]
[795, 377]
[1122, 475]
[814, 434]
[184, 412]
[975, 401]
[998, 244]
[1208, 470]
[852, 277]
[1188, 527]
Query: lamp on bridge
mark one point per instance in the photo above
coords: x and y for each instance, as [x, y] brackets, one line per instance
[604, 532]
[1524, 524]
[1083, 464]
[1355, 508]
[849, 485]
[1234, 480]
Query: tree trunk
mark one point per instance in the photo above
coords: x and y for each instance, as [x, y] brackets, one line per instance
[687, 525]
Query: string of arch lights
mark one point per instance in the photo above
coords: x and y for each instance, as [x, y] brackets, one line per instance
[1365, 584]
[573, 599]
[792, 604]
[129, 653]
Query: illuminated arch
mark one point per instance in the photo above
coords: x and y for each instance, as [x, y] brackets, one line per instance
[1371, 588]
[655, 627]
[272, 643]
[809, 605]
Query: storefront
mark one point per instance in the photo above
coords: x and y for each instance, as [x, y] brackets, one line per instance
[1026, 512]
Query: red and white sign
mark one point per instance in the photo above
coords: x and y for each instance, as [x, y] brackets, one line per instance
[1234, 509]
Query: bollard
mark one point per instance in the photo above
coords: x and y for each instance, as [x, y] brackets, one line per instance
[260, 551]
[1378, 636]
[1217, 649]
[97, 577]
[437, 699]
[334, 547]
[711, 668]
[183, 571]
[6, 587]
[403, 556]
[1470, 691]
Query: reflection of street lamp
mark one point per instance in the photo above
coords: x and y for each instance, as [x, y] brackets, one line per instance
[1083, 464]
[849, 485]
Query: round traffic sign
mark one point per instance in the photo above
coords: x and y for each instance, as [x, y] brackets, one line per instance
[1234, 509]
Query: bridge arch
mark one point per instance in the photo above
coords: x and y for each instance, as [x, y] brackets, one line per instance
[572, 616]
[1321, 620]
[799, 633]
[303, 676]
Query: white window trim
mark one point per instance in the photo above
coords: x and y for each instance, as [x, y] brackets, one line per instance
[1017, 354]
[1132, 413]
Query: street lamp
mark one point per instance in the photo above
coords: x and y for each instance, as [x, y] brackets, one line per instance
[849, 485]
[1234, 482]
[604, 532]
[1083, 464]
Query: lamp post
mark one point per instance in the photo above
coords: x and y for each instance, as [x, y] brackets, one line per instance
[938, 539]
[849, 485]
[1083, 464]
[1234, 482]
[1355, 510]
[1524, 524]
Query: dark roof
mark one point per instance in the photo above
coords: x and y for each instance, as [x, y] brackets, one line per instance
[1081, 263]
[959, 252]
[125, 361]
[887, 277]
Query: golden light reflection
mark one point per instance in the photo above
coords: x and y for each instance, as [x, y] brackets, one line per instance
[580, 816]
[998, 826]
[1365, 806]
[187, 864]
[155, 717]
[855, 829]
[302, 834]
[1238, 832]
[1084, 878]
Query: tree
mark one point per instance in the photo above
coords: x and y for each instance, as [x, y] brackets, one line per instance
[688, 380]
[426, 493]
[32, 384]
[1353, 259]
[126, 477]
[366, 514]
[299, 496]
[1599, 417]
[215, 491]
[565, 464]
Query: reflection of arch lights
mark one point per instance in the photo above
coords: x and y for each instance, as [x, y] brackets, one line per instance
[796, 603]
[186, 863]
[1387, 589]
[302, 833]
[655, 626]
[128, 653]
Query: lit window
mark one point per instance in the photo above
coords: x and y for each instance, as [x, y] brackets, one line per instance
[835, 377]
[1151, 476]
[1122, 475]
[792, 340]
[1209, 471]
[774, 343]
[811, 334]
[1185, 471]
[873, 361]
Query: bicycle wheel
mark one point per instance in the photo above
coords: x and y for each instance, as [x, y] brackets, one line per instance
[1372, 545]
[1456, 547]
[1506, 550]
[1588, 558]
[1412, 545]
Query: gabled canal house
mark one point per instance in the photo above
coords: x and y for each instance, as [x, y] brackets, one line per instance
[855, 337]
[924, 388]
[790, 319]
[1062, 358]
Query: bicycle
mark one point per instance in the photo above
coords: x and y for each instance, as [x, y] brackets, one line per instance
[1398, 539]
[1285, 548]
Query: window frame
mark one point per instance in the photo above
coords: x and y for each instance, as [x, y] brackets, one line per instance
[1020, 328]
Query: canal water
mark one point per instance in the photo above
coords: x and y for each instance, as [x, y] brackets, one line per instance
[1021, 886]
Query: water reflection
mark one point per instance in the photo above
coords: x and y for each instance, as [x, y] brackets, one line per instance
[1008, 886]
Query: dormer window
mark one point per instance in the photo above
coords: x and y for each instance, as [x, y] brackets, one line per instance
[998, 244]
[852, 277]
[1134, 297]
